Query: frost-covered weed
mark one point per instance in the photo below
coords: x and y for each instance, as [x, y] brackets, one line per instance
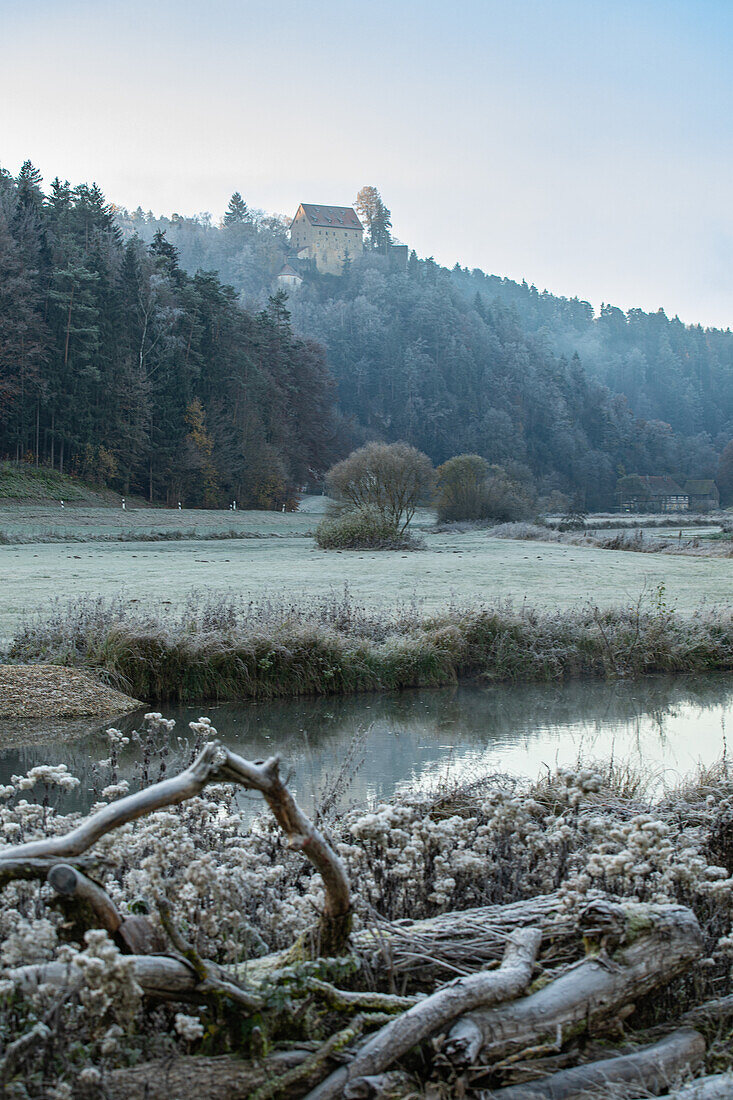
[236, 892]
[224, 647]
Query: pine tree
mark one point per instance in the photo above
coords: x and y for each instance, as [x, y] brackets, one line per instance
[237, 212]
[167, 257]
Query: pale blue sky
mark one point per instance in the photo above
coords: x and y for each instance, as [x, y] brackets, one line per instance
[582, 145]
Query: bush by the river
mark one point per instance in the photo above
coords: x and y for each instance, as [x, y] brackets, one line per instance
[227, 648]
[362, 529]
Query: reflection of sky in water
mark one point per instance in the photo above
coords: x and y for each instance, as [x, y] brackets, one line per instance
[666, 725]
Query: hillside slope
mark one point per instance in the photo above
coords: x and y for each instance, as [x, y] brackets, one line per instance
[24, 484]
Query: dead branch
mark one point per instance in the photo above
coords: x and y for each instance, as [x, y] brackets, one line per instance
[215, 764]
[69, 882]
[716, 1009]
[432, 1013]
[336, 1043]
[658, 942]
[160, 976]
[343, 999]
[652, 1068]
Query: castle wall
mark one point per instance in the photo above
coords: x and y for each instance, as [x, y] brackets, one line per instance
[328, 246]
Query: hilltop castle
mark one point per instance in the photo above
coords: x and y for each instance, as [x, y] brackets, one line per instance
[326, 234]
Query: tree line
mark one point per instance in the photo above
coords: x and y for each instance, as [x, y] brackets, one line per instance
[118, 365]
[127, 351]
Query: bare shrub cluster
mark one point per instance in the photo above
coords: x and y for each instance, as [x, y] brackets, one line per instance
[364, 528]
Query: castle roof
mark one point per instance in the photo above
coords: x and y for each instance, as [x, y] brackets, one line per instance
[337, 217]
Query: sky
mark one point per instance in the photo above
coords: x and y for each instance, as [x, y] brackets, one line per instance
[584, 146]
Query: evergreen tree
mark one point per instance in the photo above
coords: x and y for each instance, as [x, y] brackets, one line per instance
[237, 213]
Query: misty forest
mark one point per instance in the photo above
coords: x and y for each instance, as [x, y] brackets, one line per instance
[157, 356]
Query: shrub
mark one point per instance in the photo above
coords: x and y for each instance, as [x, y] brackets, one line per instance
[389, 478]
[461, 489]
[362, 529]
[470, 489]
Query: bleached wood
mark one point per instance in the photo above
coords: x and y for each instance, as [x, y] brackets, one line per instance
[664, 940]
[161, 976]
[651, 1068]
[428, 1016]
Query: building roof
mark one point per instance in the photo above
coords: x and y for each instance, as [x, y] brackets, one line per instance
[286, 269]
[701, 488]
[662, 486]
[335, 217]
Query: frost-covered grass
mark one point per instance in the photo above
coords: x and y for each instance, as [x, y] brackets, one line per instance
[229, 648]
[237, 892]
[452, 567]
[714, 543]
[20, 481]
[22, 524]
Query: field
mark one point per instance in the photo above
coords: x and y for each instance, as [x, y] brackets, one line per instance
[277, 559]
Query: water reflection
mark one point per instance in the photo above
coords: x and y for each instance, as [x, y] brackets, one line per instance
[666, 724]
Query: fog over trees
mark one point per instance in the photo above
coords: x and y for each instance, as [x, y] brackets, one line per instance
[156, 346]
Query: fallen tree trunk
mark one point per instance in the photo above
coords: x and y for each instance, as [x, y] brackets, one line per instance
[455, 944]
[432, 1013]
[221, 1078]
[468, 940]
[160, 976]
[659, 942]
[651, 1068]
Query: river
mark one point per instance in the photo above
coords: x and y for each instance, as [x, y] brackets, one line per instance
[381, 743]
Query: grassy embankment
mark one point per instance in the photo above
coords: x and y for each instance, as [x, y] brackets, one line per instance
[713, 544]
[227, 649]
[21, 483]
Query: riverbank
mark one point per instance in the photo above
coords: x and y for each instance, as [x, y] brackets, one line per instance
[229, 649]
[50, 691]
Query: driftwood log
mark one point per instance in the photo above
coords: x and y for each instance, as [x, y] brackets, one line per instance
[657, 943]
[651, 1068]
[431, 1014]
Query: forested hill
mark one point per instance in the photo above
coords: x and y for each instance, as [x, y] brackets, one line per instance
[117, 365]
[453, 360]
[150, 351]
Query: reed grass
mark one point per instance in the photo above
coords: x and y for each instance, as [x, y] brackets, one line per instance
[222, 648]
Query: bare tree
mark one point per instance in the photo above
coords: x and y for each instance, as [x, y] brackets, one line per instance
[390, 478]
